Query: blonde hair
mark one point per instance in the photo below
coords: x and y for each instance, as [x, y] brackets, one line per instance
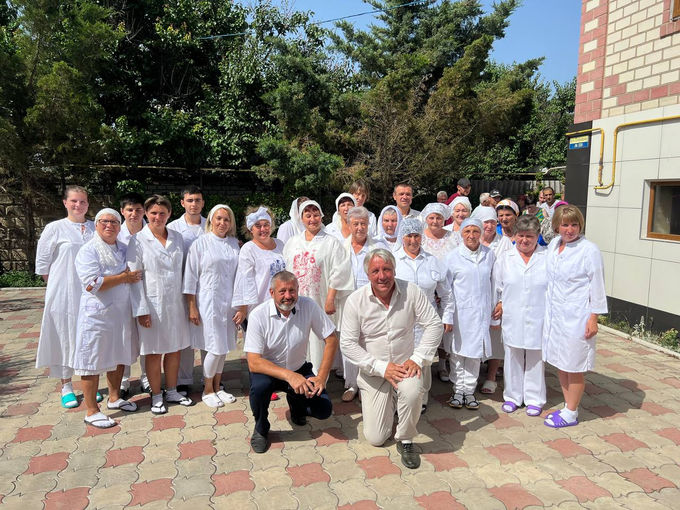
[232, 229]
[568, 213]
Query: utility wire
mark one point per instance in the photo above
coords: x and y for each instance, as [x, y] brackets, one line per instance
[407, 4]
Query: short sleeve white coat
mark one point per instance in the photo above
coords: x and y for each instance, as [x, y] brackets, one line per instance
[107, 334]
[209, 274]
[471, 284]
[55, 255]
[521, 287]
[159, 294]
[575, 290]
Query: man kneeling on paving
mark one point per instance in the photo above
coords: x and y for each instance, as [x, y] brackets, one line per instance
[276, 346]
[377, 335]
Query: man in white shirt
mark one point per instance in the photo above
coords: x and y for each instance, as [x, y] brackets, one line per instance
[276, 348]
[403, 196]
[190, 225]
[549, 205]
[377, 335]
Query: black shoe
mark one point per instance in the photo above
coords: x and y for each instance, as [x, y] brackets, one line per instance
[124, 394]
[298, 420]
[409, 457]
[258, 442]
[146, 389]
[183, 388]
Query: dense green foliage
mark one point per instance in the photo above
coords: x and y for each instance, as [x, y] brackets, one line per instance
[20, 279]
[415, 97]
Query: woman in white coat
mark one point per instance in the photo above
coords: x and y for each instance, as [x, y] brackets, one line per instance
[209, 277]
[499, 244]
[54, 261]
[469, 271]
[106, 340]
[321, 266]
[437, 241]
[521, 281]
[575, 297]
[157, 301]
[416, 265]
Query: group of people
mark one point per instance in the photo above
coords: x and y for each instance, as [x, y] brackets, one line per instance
[376, 300]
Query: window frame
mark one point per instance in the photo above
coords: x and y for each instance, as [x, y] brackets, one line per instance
[650, 213]
[675, 13]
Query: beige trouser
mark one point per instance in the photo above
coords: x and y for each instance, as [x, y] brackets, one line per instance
[378, 401]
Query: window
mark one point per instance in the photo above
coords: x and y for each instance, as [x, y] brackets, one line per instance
[664, 210]
[676, 9]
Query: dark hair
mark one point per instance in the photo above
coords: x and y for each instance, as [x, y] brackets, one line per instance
[75, 188]
[191, 190]
[157, 200]
[528, 223]
[359, 186]
[131, 199]
[404, 184]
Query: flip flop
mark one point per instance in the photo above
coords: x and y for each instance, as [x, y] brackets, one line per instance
[159, 408]
[123, 405]
[226, 398]
[471, 402]
[178, 398]
[509, 407]
[558, 422]
[456, 401]
[69, 401]
[100, 421]
[274, 397]
[534, 411]
[212, 400]
[349, 395]
[489, 387]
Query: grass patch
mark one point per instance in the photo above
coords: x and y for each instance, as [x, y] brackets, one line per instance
[20, 279]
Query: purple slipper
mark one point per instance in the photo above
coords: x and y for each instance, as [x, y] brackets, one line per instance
[509, 407]
[558, 422]
[535, 411]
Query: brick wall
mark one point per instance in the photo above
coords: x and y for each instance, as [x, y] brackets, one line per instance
[629, 58]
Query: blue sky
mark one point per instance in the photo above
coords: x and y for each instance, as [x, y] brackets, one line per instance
[538, 28]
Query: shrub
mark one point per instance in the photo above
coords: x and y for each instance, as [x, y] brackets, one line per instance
[20, 279]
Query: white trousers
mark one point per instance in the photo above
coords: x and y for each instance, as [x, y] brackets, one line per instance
[213, 364]
[61, 372]
[524, 377]
[426, 376]
[351, 372]
[186, 367]
[378, 401]
[465, 374]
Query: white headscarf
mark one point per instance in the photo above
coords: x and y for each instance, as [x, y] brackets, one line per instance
[485, 213]
[295, 218]
[461, 200]
[254, 217]
[435, 208]
[337, 221]
[381, 231]
[411, 226]
[107, 252]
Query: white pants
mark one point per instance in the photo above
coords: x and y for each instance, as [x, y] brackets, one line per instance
[378, 400]
[351, 372]
[524, 377]
[465, 374]
[426, 376]
[61, 372]
[497, 351]
[186, 367]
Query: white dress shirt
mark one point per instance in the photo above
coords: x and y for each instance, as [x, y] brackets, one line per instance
[372, 335]
[283, 340]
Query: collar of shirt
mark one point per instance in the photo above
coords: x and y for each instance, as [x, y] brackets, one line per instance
[396, 293]
[474, 256]
[273, 310]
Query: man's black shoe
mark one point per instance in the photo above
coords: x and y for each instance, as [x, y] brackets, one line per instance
[298, 420]
[258, 442]
[409, 457]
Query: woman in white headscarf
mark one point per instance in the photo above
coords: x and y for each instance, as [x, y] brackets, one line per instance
[461, 208]
[437, 241]
[322, 267]
[208, 289]
[499, 244]
[339, 228]
[294, 225]
[106, 340]
[388, 227]
[416, 265]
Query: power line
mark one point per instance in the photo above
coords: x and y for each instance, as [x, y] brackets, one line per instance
[407, 4]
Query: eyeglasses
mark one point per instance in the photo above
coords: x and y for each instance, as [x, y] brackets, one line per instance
[109, 222]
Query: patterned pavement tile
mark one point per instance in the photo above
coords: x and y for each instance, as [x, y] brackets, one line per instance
[377, 467]
[146, 492]
[74, 499]
[647, 480]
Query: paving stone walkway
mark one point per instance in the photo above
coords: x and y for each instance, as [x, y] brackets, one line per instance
[624, 454]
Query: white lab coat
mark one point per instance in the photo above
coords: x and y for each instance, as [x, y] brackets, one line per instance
[256, 267]
[357, 259]
[124, 235]
[521, 287]
[188, 232]
[472, 294]
[319, 264]
[107, 334]
[575, 290]
[55, 255]
[291, 227]
[209, 275]
[159, 294]
[501, 244]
